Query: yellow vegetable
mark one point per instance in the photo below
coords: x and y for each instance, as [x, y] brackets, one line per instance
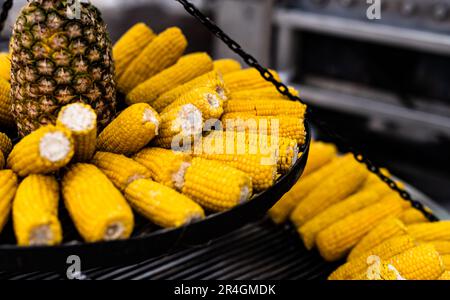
[320, 154]
[8, 187]
[443, 247]
[6, 117]
[270, 92]
[35, 212]
[430, 231]
[413, 216]
[131, 131]
[247, 79]
[5, 144]
[43, 151]
[2, 160]
[266, 108]
[5, 66]
[225, 66]
[97, 208]
[445, 276]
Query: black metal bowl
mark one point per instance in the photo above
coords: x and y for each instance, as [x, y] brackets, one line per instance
[147, 241]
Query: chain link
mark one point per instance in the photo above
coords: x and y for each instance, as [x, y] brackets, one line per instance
[283, 89]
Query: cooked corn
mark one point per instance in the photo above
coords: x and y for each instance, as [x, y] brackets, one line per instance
[187, 68]
[247, 79]
[389, 228]
[225, 66]
[333, 189]
[35, 212]
[161, 53]
[5, 144]
[43, 151]
[164, 164]
[5, 66]
[445, 276]
[319, 155]
[413, 216]
[97, 208]
[130, 45]
[214, 185]
[430, 231]
[162, 205]
[6, 117]
[120, 169]
[81, 120]
[131, 131]
[443, 247]
[266, 108]
[8, 187]
[446, 261]
[209, 80]
[338, 239]
[373, 178]
[263, 93]
[336, 212]
[2, 160]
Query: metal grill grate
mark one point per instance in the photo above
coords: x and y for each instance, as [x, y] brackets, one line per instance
[257, 251]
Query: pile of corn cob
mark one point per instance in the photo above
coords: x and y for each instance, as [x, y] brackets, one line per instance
[344, 211]
[131, 165]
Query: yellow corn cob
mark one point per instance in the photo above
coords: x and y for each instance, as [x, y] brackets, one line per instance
[35, 212]
[43, 151]
[430, 231]
[134, 128]
[163, 164]
[6, 118]
[161, 53]
[446, 261]
[8, 186]
[319, 155]
[445, 276]
[443, 247]
[225, 66]
[97, 208]
[5, 66]
[270, 92]
[226, 186]
[385, 251]
[333, 189]
[120, 169]
[286, 205]
[336, 241]
[5, 144]
[247, 79]
[284, 126]
[336, 212]
[2, 160]
[373, 178]
[209, 80]
[386, 229]
[413, 216]
[266, 107]
[81, 120]
[187, 68]
[180, 127]
[130, 45]
[161, 204]
[206, 99]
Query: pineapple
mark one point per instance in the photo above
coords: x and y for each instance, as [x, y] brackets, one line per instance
[57, 59]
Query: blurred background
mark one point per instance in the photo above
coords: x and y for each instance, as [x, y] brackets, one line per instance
[384, 84]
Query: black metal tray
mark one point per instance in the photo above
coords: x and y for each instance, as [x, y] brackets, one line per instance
[147, 240]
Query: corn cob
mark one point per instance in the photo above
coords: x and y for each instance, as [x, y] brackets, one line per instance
[187, 68]
[225, 66]
[206, 99]
[338, 186]
[264, 93]
[134, 128]
[226, 186]
[161, 53]
[162, 205]
[266, 108]
[5, 66]
[430, 231]
[2, 160]
[286, 205]
[81, 120]
[5, 144]
[99, 213]
[385, 251]
[283, 126]
[336, 212]
[319, 155]
[130, 45]
[443, 247]
[446, 261]
[120, 169]
[43, 151]
[373, 178]
[8, 186]
[6, 118]
[209, 80]
[35, 212]
[336, 241]
[247, 79]
[445, 276]
[389, 228]
[164, 165]
[413, 216]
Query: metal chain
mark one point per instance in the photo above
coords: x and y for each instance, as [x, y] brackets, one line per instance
[284, 90]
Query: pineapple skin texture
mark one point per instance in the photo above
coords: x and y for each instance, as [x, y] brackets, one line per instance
[56, 61]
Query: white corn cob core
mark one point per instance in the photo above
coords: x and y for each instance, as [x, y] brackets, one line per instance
[245, 194]
[212, 100]
[178, 177]
[150, 117]
[54, 147]
[78, 118]
[114, 231]
[41, 235]
[189, 120]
